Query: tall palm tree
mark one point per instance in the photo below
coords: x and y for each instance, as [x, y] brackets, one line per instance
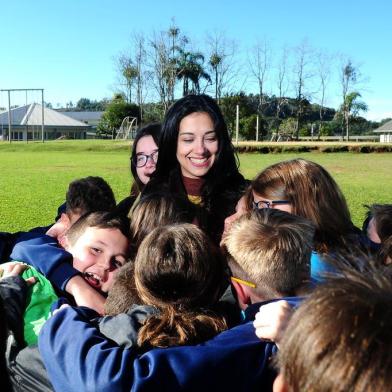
[351, 107]
[215, 61]
[191, 70]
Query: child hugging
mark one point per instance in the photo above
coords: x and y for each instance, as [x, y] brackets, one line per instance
[179, 277]
[168, 316]
[178, 271]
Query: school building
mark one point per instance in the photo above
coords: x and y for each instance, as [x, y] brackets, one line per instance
[26, 124]
[385, 132]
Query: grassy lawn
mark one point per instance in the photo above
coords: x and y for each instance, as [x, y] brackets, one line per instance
[34, 177]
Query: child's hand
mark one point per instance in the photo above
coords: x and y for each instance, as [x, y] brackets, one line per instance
[15, 269]
[58, 230]
[85, 295]
[272, 319]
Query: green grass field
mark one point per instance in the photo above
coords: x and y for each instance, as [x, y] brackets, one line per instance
[34, 177]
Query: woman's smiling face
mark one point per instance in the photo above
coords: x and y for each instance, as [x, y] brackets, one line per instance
[197, 145]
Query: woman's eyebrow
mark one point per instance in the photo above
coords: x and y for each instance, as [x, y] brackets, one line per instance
[192, 133]
[186, 133]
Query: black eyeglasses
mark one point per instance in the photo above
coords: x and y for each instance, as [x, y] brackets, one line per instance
[141, 159]
[257, 205]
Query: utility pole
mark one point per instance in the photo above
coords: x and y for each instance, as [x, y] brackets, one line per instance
[237, 120]
[9, 116]
[9, 109]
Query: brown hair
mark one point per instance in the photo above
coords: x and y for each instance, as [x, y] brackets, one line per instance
[157, 209]
[99, 219]
[340, 338]
[272, 249]
[313, 194]
[123, 294]
[179, 271]
[89, 194]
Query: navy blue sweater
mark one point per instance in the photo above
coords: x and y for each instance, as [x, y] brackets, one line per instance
[45, 254]
[79, 358]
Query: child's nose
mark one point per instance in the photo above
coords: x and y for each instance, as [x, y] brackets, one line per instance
[104, 263]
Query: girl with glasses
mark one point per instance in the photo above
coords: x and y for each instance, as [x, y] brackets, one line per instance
[143, 159]
[304, 188]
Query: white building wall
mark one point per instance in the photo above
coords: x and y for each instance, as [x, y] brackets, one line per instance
[387, 138]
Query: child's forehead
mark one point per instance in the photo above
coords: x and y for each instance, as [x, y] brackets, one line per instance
[103, 234]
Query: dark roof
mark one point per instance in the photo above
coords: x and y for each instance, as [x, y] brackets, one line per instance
[84, 116]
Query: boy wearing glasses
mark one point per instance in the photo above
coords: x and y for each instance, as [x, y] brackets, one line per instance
[269, 253]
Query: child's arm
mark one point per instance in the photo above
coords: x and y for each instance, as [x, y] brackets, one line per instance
[13, 292]
[43, 253]
[84, 294]
[78, 357]
[271, 320]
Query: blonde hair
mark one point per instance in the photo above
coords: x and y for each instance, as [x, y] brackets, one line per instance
[179, 271]
[272, 249]
[313, 194]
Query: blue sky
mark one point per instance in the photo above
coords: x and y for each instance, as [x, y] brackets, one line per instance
[68, 47]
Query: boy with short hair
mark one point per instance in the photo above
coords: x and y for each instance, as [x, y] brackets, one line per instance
[42, 251]
[340, 338]
[99, 245]
[269, 256]
[84, 195]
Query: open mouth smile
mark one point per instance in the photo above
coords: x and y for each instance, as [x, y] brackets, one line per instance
[92, 279]
[200, 162]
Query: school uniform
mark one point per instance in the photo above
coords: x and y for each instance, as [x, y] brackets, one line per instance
[234, 360]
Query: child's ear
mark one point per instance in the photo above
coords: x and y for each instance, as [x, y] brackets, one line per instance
[243, 296]
[280, 384]
[64, 219]
[63, 241]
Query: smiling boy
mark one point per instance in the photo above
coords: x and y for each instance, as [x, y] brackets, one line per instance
[99, 245]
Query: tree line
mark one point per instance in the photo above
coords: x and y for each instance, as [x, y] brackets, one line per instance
[281, 91]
